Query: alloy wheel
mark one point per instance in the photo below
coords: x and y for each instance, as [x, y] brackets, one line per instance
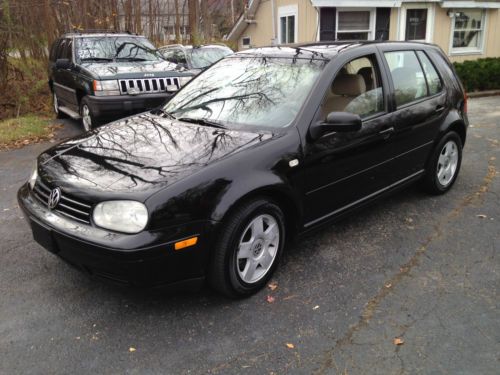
[447, 163]
[257, 248]
[86, 118]
[55, 103]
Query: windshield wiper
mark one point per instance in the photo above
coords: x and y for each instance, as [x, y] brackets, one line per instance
[202, 121]
[161, 111]
[96, 59]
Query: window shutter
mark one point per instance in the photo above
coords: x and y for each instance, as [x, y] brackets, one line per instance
[382, 23]
[327, 24]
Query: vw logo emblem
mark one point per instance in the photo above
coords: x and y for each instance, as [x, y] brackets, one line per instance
[54, 197]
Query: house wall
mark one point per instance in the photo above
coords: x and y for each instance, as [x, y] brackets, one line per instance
[442, 35]
[261, 32]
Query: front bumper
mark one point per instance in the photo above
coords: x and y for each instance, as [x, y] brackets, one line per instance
[111, 107]
[145, 259]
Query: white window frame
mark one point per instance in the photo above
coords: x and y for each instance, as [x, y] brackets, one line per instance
[249, 43]
[468, 50]
[370, 30]
[429, 29]
[286, 11]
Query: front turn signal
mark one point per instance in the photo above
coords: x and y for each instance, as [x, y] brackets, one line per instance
[186, 243]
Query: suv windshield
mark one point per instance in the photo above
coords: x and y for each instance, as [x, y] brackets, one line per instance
[108, 48]
[251, 91]
[206, 56]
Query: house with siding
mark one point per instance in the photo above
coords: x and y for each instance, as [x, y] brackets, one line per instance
[464, 29]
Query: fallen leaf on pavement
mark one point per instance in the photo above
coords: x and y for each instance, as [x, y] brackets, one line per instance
[270, 299]
[273, 285]
[388, 285]
[316, 307]
[132, 349]
[398, 341]
[290, 346]
[481, 216]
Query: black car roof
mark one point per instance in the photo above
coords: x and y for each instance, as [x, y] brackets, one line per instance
[321, 50]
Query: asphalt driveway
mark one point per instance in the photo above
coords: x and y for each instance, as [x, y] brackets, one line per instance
[420, 269]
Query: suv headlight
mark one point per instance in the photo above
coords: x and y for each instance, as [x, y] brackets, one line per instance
[184, 80]
[109, 87]
[33, 176]
[121, 216]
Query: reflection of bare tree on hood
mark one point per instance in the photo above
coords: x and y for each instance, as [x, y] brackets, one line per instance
[148, 149]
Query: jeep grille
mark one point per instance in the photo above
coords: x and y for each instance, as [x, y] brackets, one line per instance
[149, 85]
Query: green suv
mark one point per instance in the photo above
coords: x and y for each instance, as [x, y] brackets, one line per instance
[103, 76]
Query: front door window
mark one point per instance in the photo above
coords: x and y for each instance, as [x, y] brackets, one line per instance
[416, 24]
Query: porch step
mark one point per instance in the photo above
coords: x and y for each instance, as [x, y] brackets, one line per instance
[74, 115]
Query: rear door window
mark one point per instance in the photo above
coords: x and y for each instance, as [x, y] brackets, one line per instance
[407, 76]
[433, 79]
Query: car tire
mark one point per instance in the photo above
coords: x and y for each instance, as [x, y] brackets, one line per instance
[248, 249]
[89, 121]
[55, 106]
[444, 164]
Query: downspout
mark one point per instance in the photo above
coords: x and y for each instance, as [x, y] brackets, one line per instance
[273, 39]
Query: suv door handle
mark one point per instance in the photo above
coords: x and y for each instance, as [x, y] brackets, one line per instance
[387, 132]
[439, 109]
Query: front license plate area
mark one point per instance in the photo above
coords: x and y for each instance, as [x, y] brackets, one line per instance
[43, 235]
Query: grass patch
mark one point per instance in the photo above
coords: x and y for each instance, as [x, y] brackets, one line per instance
[23, 130]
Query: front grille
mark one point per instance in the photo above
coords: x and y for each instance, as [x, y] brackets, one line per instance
[149, 85]
[68, 206]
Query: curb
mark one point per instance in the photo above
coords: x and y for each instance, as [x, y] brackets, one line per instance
[482, 94]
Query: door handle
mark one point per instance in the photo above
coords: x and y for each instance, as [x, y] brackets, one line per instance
[387, 132]
[439, 109]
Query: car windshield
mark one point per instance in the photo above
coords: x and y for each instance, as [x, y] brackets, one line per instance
[109, 48]
[248, 91]
[205, 56]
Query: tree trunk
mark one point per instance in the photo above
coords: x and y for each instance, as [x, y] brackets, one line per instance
[193, 21]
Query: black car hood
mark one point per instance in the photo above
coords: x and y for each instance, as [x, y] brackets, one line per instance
[140, 153]
[132, 69]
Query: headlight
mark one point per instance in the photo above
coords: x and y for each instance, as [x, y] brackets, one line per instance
[184, 80]
[121, 216]
[33, 176]
[109, 87]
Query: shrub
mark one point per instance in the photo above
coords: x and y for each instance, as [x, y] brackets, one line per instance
[25, 90]
[481, 74]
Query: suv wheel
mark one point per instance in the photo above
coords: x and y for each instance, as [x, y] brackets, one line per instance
[248, 249]
[444, 164]
[88, 119]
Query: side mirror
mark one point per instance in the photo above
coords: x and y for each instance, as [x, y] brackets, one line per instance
[336, 122]
[63, 63]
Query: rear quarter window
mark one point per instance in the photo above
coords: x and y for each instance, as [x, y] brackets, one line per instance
[433, 80]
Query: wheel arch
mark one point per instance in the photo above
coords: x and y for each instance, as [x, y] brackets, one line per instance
[279, 194]
[453, 122]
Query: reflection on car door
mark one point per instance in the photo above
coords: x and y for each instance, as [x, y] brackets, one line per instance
[346, 168]
[420, 101]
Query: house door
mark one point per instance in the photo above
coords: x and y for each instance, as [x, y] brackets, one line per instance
[417, 21]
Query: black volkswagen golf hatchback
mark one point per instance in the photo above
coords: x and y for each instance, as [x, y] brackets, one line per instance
[266, 144]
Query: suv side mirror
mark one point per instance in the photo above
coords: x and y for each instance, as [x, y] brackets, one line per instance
[336, 122]
[63, 63]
